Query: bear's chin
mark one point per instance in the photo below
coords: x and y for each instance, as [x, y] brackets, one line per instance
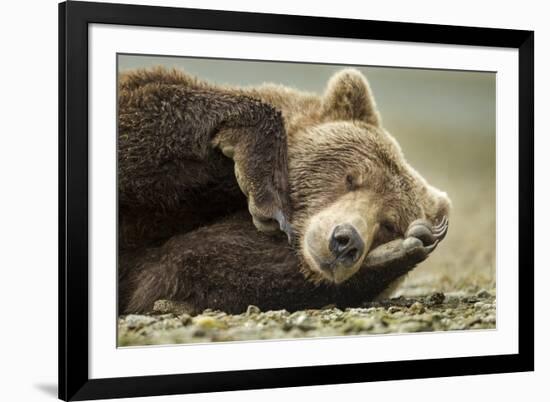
[327, 271]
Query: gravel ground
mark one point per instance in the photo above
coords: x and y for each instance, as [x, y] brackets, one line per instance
[437, 312]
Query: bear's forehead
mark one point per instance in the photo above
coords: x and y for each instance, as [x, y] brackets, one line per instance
[352, 139]
[337, 148]
[345, 153]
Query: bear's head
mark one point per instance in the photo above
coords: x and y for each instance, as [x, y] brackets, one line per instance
[351, 187]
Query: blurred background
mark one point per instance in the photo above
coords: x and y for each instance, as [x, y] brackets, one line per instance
[445, 123]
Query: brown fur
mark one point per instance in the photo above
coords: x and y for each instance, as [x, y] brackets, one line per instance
[230, 265]
[168, 170]
[174, 179]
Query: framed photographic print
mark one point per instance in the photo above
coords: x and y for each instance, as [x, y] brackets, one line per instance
[258, 200]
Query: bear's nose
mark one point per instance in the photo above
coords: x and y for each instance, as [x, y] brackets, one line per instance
[346, 244]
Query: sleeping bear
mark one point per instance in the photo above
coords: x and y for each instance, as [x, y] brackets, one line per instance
[264, 195]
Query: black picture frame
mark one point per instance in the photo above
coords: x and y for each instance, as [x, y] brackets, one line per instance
[74, 18]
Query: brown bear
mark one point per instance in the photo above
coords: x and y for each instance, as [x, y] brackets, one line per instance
[320, 168]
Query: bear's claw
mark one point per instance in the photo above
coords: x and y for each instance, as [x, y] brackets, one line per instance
[284, 225]
[429, 235]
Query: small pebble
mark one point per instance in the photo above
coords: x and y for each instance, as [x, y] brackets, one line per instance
[185, 319]
[252, 309]
[417, 308]
[489, 319]
[168, 306]
[483, 294]
[199, 333]
[436, 298]
[207, 322]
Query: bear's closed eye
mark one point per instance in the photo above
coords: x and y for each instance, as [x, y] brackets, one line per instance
[353, 181]
[389, 227]
[387, 231]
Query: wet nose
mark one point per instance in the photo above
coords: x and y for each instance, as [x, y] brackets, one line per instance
[346, 245]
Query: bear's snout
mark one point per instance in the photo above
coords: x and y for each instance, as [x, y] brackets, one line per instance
[346, 245]
[337, 238]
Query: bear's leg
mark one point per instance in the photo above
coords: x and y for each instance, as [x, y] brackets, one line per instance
[259, 152]
[229, 265]
[151, 280]
[169, 145]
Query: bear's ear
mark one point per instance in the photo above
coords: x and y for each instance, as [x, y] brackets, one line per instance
[348, 97]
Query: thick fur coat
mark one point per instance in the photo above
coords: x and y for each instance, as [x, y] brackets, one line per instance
[205, 170]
